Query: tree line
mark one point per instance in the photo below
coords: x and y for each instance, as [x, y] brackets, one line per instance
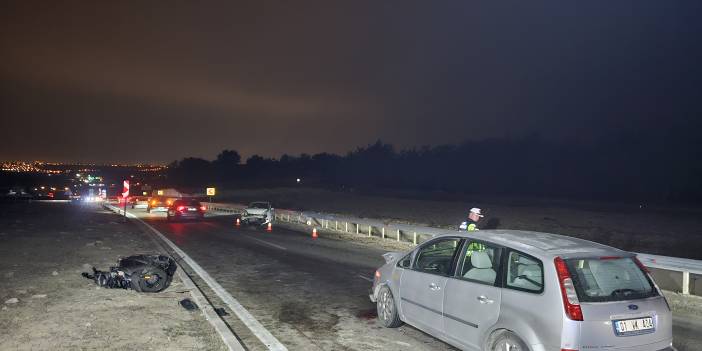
[623, 168]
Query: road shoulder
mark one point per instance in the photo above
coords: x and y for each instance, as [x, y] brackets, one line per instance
[47, 304]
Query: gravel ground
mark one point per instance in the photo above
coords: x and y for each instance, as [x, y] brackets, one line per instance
[46, 304]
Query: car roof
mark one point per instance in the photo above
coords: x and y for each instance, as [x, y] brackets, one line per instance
[542, 244]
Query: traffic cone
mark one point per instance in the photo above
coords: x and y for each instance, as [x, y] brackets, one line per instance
[314, 233]
[270, 227]
[238, 222]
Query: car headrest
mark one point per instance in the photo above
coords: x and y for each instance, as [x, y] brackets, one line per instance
[480, 259]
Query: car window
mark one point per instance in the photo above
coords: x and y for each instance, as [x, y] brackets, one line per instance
[609, 279]
[480, 262]
[437, 256]
[259, 205]
[405, 261]
[524, 272]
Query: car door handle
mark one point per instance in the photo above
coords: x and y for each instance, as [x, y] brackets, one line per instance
[434, 287]
[484, 299]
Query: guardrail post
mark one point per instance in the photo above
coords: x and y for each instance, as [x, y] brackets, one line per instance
[398, 235]
[383, 232]
[414, 238]
[347, 227]
[686, 283]
[370, 230]
[336, 225]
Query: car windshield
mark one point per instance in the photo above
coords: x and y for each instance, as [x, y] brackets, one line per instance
[261, 205]
[609, 279]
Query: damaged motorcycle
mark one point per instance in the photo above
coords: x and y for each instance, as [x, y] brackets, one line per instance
[143, 273]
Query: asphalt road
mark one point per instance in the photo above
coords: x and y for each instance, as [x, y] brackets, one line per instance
[312, 294]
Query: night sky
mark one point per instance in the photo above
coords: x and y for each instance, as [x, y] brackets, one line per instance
[81, 81]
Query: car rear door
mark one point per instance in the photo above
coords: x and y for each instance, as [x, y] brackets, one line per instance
[422, 287]
[472, 296]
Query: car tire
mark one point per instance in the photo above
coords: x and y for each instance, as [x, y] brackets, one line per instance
[508, 341]
[149, 280]
[387, 309]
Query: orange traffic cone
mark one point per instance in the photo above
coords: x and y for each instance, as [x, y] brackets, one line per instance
[270, 227]
[238, 222]
[314, 233]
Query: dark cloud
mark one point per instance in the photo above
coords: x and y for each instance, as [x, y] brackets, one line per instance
[289, 77]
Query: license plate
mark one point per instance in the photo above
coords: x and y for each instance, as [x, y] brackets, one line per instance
[192, 209]
[634, 326]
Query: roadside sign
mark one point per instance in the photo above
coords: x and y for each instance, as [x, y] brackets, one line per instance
[210, 191]
[125, 189]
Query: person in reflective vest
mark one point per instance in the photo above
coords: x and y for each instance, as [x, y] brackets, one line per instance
[472, 222]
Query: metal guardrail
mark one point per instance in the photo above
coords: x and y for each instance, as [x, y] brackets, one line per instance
[418, 234]
[684, 265]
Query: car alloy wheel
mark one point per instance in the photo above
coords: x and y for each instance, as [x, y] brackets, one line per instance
[386, 305]
[387, 311]
[509, 342]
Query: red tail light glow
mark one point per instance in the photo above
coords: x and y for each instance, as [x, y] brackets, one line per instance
[203, 208]
[570, 297]
[181, 208]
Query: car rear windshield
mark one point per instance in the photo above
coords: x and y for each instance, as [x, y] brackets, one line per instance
[259, 205]
[609, 279]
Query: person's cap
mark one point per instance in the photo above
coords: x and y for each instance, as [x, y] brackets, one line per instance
[476, 211]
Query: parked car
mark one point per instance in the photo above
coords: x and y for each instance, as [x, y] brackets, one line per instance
[518, 290]
[159, 203]
[138, 202]
[185, 209]
[257, 213]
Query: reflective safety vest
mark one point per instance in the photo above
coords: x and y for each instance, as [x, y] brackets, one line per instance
[470, 227]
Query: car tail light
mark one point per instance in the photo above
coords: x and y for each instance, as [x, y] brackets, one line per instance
[377, 275]
[153, 203]
[181, 208]
[570, 297]
[203, 208]
[168, 202]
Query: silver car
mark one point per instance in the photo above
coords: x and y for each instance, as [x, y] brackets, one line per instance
[519, 290]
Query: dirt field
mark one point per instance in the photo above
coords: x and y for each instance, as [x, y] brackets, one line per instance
[664, 231]
[46, 304]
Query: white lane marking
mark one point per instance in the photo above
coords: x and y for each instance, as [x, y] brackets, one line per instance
[267, 243]
[365, 278]
[249, 320]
